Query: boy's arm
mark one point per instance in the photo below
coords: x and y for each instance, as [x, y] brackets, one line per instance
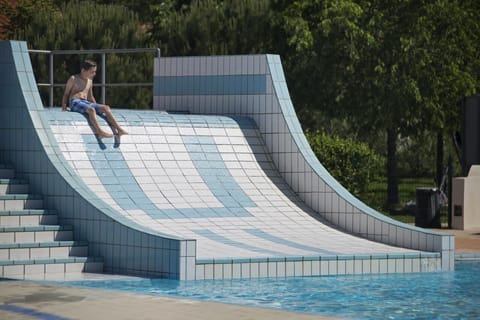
[90, 93]
[66, 93]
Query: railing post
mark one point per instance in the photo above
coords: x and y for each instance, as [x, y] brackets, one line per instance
[51, 78]
[103, 77]
[449, 188]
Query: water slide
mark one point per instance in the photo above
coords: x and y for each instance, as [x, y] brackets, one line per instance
[216, 182]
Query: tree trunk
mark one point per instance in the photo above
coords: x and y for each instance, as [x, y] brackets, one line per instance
[440, 156]
[392, 174]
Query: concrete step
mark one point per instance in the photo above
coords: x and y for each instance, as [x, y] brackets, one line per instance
[20, 201]
[26, 268]
[43, 250]
[16, 186]
[32, 245]
[31, 217]
[35, 234]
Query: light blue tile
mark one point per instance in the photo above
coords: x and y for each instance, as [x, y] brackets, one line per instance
[18, 58]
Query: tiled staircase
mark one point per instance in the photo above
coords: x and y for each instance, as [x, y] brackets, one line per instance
[32, 245]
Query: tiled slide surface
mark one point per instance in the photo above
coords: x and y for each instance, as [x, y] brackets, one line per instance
[202, 177]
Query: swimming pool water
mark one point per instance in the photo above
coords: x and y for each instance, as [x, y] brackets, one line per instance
[440, 295]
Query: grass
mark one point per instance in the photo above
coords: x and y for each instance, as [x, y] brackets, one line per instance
[376, 196]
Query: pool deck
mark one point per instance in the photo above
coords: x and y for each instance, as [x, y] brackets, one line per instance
[466, 241]
[33, 300]
[38, 301]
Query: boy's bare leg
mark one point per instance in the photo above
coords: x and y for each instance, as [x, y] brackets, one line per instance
[111, 119]
[93, 119]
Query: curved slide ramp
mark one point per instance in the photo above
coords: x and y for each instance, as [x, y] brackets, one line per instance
[212, 194]
[208, 178]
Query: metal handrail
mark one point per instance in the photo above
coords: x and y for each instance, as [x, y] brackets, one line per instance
[103, 52]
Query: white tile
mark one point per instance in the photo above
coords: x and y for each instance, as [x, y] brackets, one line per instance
[19, 254]
[298, 268]
[227, 271]
[208, 271]
[375, 266]
[200, 272]
[26, 237]
[55, 268]
[342, 267]
[7, 237]
[400, 265]
[39, 253]
[307, 268]
[383, 266]
[13, 204]
[236, 271]
[11, 220]
[366, 266]
[74, 267]
[218, 271]
[60, 252]
[263, 269]
[245, 270]
[34, 269]
[13, 270]
[254, 270]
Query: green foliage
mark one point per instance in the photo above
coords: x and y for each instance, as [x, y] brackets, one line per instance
[402, 64]
[320, 51]
[87, 25]
[211, 27]
[8, 9]
[353, 164]
[141, 7]
[20, 13]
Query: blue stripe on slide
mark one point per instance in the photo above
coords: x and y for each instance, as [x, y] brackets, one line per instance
[221, 239]
[208, 161]
[122, 186]
[266, 236]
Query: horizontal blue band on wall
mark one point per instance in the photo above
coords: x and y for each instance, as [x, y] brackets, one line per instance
[210, 85]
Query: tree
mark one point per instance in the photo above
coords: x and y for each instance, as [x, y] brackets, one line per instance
[143, 8]
[426, 58]
[211, 27]
[8, 9]
[451, 44]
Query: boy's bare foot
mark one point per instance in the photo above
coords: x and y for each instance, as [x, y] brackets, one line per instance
[102, 135]
[121, 132]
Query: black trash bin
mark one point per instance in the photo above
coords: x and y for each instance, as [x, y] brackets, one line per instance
[428, 208]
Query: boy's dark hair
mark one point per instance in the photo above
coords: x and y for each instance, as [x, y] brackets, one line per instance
[88, 64]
